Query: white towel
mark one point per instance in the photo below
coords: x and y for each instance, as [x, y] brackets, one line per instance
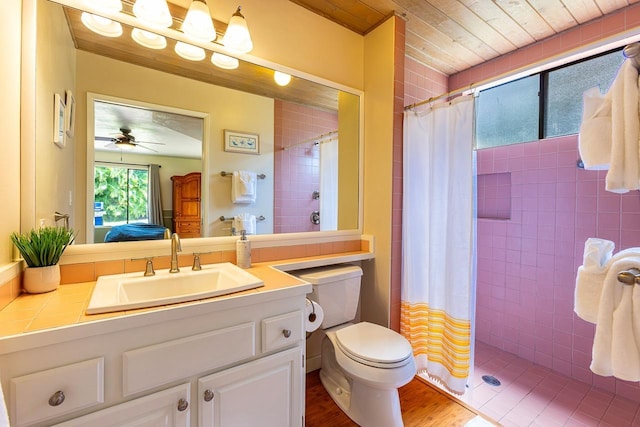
[243, 187]
[624, 168]
[244, 221]
[615, 346]
[594, 140]
[590, 277]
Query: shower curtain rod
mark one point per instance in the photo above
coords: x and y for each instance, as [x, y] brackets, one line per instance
[444, 95]
[314, 139]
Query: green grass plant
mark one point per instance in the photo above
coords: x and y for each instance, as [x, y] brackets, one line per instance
[43, 246]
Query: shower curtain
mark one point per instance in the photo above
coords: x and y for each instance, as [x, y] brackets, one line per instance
[437, 239]
[329, 185]
[155, 202]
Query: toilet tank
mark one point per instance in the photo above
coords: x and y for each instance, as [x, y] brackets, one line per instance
[337, 289]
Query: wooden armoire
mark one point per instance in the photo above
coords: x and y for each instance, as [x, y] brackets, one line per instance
[187, 205]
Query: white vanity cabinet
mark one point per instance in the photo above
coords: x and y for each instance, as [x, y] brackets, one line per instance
[264, 392]
[145, 369]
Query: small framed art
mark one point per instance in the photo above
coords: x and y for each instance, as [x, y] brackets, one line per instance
[241, 142]
[70, 114]
[58, 121]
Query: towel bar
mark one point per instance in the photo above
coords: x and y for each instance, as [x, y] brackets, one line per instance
[629, 277]
[230, 218]
[229, 174]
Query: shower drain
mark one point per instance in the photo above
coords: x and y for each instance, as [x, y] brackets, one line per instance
[491, 380]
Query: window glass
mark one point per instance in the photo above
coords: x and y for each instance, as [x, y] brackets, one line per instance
[121, 195]
[508, 113]
[563, 106]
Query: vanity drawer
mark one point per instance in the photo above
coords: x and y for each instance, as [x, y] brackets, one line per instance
[282, 331]
[159, 364]
[48, 394]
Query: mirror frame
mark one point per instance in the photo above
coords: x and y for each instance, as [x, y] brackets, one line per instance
[96, 251]
[90, 175]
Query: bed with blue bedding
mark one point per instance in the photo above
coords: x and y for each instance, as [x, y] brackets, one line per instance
[135, 232]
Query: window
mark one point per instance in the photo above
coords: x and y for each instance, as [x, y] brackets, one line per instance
[511, 113]
[120, 193]
[508, 113]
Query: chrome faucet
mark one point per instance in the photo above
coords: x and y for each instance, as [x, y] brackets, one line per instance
[175, 248]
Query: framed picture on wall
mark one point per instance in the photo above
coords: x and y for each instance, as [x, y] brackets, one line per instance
[70, 114]
[58, 121]
[241, 142]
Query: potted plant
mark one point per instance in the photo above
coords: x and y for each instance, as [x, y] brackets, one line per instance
[41, 249]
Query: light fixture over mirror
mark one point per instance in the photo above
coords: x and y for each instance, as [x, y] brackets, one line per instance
[237, 37]
[282, 79]
[189, 51]
[198, 24]
[148, 39]
[153, 12]
[225, 62]
[103, 26]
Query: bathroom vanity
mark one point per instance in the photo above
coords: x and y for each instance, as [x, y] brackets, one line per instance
[225, 361]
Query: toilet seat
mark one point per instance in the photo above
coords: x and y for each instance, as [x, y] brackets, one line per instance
[374, 345]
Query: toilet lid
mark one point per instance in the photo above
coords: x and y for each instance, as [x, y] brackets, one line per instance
[374, 345]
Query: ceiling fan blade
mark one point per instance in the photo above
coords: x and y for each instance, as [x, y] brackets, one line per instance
[104, 138]
[146, 148]
[147, 142]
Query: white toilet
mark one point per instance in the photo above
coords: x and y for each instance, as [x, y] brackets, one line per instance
[363, 364]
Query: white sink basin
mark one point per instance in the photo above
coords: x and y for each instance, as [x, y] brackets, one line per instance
[133, 290]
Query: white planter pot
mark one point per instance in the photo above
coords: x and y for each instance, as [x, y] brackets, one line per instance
[37, 280]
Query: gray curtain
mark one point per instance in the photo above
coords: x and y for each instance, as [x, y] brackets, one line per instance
[155, 202]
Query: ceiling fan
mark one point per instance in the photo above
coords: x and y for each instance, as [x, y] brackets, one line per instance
[126, 141]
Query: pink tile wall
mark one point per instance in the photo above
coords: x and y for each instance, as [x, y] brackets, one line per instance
[527, 265]
[494, 195]
[297, 169]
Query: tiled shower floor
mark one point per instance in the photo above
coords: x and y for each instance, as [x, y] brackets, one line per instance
[531, 395]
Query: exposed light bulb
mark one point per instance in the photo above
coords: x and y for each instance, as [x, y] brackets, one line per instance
[189, 51]
[103, 26]
[237, 37]
[224, 61]
[153, 12]
[148, 39]
[198, 23]
[282, 79]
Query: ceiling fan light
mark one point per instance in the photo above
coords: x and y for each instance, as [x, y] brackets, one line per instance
[125, 145]
[237, 37]
[148, 39]
[153, 12]
[112, 6]
[189, 51]
[103, 26]
[224, 61]
[198, 24]
[282, 79]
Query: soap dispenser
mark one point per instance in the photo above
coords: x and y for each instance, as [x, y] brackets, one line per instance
[243, 251]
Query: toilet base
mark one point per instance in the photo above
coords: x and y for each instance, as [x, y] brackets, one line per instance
[365, 405]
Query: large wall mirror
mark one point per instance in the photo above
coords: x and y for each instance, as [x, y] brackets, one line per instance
[133, 107]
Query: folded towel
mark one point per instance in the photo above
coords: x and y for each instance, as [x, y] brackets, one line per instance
[245, 222]
[624, 167]
[590, 278]
[615, 345]
[594, 140]
[243, 187]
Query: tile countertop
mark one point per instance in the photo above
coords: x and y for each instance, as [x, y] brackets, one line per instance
[65, 307]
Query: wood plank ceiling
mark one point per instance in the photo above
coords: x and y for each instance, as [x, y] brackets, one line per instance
[453, 35]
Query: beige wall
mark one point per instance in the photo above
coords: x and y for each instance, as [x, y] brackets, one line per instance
[55, 74]
[226, 109]
[378, 177]
[10, 124]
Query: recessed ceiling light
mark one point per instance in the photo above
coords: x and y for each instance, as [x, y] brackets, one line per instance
[148, 39]
[189, 51]
[224, 61]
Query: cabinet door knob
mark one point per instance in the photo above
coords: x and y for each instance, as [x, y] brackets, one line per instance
[56, 398]
[182, 405]
[286, 333]
[208, 395]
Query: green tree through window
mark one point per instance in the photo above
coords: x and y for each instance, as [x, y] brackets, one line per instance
[123, 190]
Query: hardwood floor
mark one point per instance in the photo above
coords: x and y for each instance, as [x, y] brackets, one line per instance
[421, 403]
